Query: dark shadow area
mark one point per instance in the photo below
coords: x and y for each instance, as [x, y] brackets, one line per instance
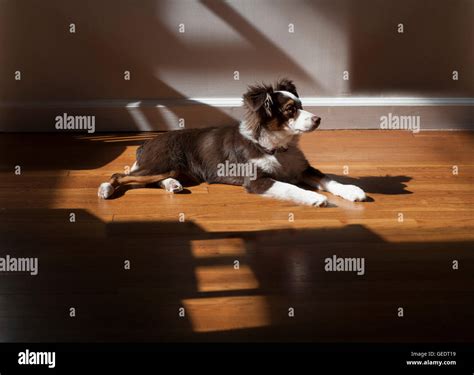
[174, 264]
[390, 185]
[436, 40]
[71, 151]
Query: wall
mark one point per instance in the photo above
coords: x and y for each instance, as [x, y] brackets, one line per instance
[83, 72]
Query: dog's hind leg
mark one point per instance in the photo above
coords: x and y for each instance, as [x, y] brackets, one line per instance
[106, 189]
[172, 185]
[169, 184]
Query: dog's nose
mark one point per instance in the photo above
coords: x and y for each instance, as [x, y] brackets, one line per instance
[316, 120]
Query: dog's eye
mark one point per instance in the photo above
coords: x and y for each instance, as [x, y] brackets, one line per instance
[290, 108]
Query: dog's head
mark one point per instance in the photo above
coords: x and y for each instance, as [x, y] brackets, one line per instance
[279, 108]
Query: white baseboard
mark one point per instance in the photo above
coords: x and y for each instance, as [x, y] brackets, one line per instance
[156, 114]
[237, 102]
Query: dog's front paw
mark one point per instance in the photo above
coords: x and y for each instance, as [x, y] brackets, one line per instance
[317, 200]
[105, 190]
[351, 193]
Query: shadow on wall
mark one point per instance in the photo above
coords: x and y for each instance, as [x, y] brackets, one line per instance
[68, 67]
[174, 265]
[111, 38]
[436, 40]
[381, 62]
[117, 36]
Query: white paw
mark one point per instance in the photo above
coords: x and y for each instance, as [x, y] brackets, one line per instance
[351, 193]
[105, 190]
[315, 199]
[171, 185]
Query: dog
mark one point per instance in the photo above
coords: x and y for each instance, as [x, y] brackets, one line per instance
[266, 140]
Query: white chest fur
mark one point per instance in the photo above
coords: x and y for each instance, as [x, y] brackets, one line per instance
[283, 165]
[267, 163]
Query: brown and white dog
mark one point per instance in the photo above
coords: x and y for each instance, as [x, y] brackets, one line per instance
[266, 141]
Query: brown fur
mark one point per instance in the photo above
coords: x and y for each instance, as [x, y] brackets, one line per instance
[197, 153]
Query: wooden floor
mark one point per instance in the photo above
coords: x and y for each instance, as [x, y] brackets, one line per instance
[190, 264]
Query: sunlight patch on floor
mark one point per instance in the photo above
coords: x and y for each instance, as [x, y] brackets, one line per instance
[227, 313]
[225, 278]
[222, 247]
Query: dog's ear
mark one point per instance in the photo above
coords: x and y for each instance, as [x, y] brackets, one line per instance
[259, 98]
[286, 85]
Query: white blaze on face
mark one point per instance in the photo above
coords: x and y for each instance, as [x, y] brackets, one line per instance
[302, 122]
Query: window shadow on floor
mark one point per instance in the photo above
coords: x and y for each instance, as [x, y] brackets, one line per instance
[175, 265]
